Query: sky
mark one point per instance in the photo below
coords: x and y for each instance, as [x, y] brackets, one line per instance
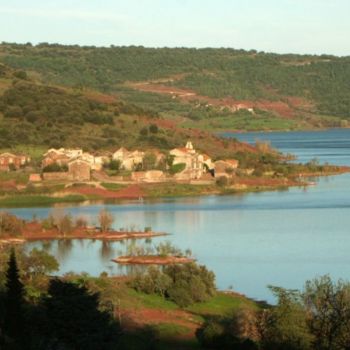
[281, 26]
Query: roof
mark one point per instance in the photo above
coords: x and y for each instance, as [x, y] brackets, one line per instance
[8, 154]
[75, 160]
[232, 161]
[121, 149]
[205, 157]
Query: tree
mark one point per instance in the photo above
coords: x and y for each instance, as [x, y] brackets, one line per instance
[75, 322]
[114, 164]
[328, 307]
[105, 219]
[62, 221]
[13, 320]
[39, 262]
[284, 327]
[153, 128]
[149, 161]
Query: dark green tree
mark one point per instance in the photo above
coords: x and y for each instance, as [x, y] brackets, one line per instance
[13, 320]
[75, 320]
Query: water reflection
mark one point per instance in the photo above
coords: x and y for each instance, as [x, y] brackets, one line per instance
[107, 251]
[64, 248]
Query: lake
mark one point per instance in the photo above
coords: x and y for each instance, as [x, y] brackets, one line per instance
[250, 241]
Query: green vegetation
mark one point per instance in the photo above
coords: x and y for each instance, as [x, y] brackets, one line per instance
[175, 189]
[10, 225]
[37, 200]
[321, 82]
[112, 186]
[241, 120]
[183, 284]
[36, 308]
[222, 304]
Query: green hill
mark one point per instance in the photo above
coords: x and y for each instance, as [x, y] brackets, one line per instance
[42, 116]
[286, 91]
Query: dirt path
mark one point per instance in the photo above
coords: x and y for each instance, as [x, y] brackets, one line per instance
[283, 108]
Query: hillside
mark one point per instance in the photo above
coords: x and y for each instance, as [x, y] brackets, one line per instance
[36, 114]
[210, 89]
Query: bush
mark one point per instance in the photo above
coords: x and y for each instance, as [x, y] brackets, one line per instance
[230, 333]
[177, 168]
[114, 164]
[222, 181]
[211, 335]
[13, 112]
[55, 168]
[10, 224]
[153, 128]
[183, 284]
[105, 219]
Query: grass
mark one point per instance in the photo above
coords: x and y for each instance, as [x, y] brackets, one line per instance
[171, 330]
[151, 301]
[18, 176]
[37, 200]
[252, 123]
[174, 190]
[222, 305]
[112, 186]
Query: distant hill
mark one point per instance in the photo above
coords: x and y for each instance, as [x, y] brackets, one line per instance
[284, 91]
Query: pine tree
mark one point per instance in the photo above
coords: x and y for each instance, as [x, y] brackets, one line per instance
[13, 326]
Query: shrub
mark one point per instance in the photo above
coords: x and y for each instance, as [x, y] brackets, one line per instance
[20, 74]
[105, 219]
[153, 128]
[211, 334]
[184, 284]
[13, 112]
[55, 168]
[177, 168]
[81, 222]
[149, 161]
[222, 181]
[10, 224]
[114, 164]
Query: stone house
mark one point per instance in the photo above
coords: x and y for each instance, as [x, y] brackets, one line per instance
[194, 162]
[96, 162]
[9, 159]
[225, 167]
[79, 170]
[58, 156]
[148, 176]
[129, 160]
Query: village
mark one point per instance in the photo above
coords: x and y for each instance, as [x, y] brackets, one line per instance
[183, 165]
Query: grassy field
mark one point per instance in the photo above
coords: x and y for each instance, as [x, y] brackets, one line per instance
[177, 190]
[248, 123]
[37, 200]
[174, 328]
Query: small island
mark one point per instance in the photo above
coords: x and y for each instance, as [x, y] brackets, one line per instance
[162, 254]
[152, 260]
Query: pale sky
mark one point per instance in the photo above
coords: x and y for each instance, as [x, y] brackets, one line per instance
[282, 26]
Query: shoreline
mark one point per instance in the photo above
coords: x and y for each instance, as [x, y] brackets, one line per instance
[53, 234]
[149, 191]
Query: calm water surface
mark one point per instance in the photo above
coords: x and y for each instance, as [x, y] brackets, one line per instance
[250, 241]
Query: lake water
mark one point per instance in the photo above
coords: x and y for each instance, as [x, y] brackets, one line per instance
[250, 241]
